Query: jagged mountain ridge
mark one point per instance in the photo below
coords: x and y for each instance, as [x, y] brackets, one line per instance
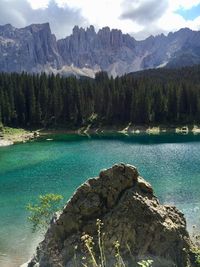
[35, 49]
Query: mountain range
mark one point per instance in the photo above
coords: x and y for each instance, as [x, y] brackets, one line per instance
[34, 49]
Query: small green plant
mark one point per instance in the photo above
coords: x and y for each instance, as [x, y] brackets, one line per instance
[196, 249]
[198, 259]
[42, 212]
[13, 131]
[88, 242]
[94, 261]
[101, 243]
[145, 263]
[118, 258]
[40, 216]
[196, 252]
[1, 126]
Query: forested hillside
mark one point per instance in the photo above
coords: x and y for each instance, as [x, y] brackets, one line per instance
[159, 96]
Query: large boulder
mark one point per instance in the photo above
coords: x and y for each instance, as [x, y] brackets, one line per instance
[130, 213]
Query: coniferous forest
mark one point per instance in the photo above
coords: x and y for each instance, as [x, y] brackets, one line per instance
[162, 96]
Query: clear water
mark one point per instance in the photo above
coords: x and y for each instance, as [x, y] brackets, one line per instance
[170, 162]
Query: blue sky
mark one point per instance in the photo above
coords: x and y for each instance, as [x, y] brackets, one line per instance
[190, 14]
[140, 18]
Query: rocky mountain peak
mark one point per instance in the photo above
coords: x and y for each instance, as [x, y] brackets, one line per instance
[35, 49]
[91, 29]
[6, 30]
[7, 26]
[28, 49]
[184, 30]
[39, 27]
[75, 30]
[104, 31]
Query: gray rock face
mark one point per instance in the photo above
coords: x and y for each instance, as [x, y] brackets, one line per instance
[35, 49]
[28, 49]
[86, 48]
[130, 213]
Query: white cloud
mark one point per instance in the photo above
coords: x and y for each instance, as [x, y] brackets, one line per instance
[144, 12]
[20, 14]
[148, 16]
[185, 4]
[36, 4]
[99, 13]
[138, 17]
[172, 21]
[165, 20]
[103, 13]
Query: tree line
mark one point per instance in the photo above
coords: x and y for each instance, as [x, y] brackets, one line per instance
[162, 96]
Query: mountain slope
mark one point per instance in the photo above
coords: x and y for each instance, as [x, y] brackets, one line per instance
[35, 49]
[28, 49]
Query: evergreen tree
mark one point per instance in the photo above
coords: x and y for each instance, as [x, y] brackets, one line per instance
[150, 97]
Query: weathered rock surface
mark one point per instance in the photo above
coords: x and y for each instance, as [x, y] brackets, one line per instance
[28, 49]
[35, 49]
[131, 214]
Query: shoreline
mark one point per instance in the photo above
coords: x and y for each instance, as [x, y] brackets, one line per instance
[13, 136]
[129, 129]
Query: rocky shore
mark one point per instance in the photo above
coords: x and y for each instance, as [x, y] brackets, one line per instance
[126, 129]
[21, 135]
[6, 142]
[131, 215]
[10, 136]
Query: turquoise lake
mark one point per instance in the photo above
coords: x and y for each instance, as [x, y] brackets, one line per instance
[171, 163]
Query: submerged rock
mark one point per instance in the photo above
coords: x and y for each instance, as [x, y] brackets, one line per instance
[130, 213]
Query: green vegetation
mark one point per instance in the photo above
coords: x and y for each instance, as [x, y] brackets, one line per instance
[1, 127]
[15, 134]
[91, 259]
[42, 212]
[196, 246]
[159, 96]
[40, 216]
[196, 253]
[145, 263]
[12, 131]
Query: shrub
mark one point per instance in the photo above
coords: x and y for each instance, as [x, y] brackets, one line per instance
[42, 212]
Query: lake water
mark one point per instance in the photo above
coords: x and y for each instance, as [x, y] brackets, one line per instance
[171, 163]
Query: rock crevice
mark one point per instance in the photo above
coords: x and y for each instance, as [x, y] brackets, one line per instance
[34, 49]
[130, 213]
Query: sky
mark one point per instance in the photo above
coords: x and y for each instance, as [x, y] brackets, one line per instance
[140, 18]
